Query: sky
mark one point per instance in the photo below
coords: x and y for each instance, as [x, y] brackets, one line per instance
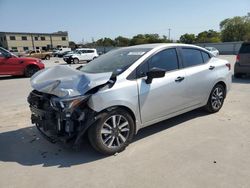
[86, 20]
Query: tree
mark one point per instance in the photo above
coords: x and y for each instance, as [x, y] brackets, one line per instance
[72, 45]
[187, 38]
[208, 36]
[122, 41]
[235, 29]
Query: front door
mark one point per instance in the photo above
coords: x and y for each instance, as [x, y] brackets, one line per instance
[163, 96]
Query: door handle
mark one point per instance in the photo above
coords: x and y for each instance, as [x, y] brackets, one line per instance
[179, 79]
[211, 67]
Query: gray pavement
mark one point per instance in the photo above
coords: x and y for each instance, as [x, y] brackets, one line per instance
[195, 149]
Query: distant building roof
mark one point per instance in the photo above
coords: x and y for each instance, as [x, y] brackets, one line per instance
[60, 33]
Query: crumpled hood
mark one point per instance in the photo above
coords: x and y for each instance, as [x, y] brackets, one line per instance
[64, 81]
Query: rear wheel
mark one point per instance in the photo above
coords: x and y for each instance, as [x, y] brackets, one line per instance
[216, 98]
[30, 70]
[47, 57]
[113, 132]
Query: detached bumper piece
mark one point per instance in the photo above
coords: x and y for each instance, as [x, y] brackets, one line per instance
[56, 125]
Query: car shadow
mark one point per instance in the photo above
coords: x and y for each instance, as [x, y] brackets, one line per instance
[12, 77]
[243, 80]
[27, 147]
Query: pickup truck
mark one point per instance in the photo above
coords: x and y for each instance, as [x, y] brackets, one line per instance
[39, 54]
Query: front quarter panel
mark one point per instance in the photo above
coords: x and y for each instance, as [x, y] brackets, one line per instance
[123, 93]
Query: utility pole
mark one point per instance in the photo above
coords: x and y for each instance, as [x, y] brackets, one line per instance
[169, 30]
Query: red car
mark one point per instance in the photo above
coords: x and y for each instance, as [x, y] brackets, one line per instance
[10, 64]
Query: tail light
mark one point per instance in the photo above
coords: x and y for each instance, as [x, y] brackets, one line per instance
[229, 66]
[238, 58]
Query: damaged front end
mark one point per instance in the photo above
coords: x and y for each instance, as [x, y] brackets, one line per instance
[59, 107]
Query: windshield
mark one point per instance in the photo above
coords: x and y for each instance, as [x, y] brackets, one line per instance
[5, 52]
[115, 61]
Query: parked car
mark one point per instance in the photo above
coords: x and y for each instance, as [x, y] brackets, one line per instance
[60, 51]
[10, 64]
[81, 54]
[213, 51]
[39, 54]
[124, 90]
[63, 53]
[242, 65]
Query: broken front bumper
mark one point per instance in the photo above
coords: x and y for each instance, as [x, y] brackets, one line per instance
[56, 124]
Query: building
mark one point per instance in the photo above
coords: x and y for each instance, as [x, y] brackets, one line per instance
[18, 41]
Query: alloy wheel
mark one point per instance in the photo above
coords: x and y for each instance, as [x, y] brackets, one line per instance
[217, 98]
[115, 131]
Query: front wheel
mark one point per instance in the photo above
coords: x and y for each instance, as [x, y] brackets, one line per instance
[29, 71]
[75, 61]
[113, 132]
[47, 57]
[216, 98]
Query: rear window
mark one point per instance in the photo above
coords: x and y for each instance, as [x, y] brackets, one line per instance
[245, 48]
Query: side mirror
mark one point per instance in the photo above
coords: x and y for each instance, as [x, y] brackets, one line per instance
[154, 73]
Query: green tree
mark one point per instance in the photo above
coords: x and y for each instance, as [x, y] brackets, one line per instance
[208, 36]
[72, 45]
[235, 29]
[187, 38]
[122, 41]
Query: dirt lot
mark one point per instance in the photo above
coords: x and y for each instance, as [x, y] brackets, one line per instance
[192, 150]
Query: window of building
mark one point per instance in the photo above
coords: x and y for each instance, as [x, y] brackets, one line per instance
[44, 48]
[24, 38]
[166, 59]
[25, 48]
[63, 38]
[36, 38]
[42, 38]
[12, 38]
[14, 48]
[191, 57]
[4, 38]
[37, 48]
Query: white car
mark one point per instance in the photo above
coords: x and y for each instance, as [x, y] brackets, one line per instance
[81, 54]
[61, 51]
[213, 51]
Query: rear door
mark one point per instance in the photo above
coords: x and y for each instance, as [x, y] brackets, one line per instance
[200, 74]
[244, 54]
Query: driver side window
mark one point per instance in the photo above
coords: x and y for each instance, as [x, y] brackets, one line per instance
[165, 59]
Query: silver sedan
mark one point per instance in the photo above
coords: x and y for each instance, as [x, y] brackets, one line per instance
[117, 94]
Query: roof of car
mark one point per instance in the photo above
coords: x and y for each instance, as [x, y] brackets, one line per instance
[155, 45]
[85, 49]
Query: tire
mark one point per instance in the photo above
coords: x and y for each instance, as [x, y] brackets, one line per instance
[216, 98]
[75, 61]
[47, 57]
[31, 70]
[107, 138]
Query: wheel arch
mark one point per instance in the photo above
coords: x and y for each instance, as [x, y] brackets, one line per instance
[224, 85]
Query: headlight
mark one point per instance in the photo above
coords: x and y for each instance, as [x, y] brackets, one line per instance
[67, 104]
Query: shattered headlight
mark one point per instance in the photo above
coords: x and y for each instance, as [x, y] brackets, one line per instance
[68, 103]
